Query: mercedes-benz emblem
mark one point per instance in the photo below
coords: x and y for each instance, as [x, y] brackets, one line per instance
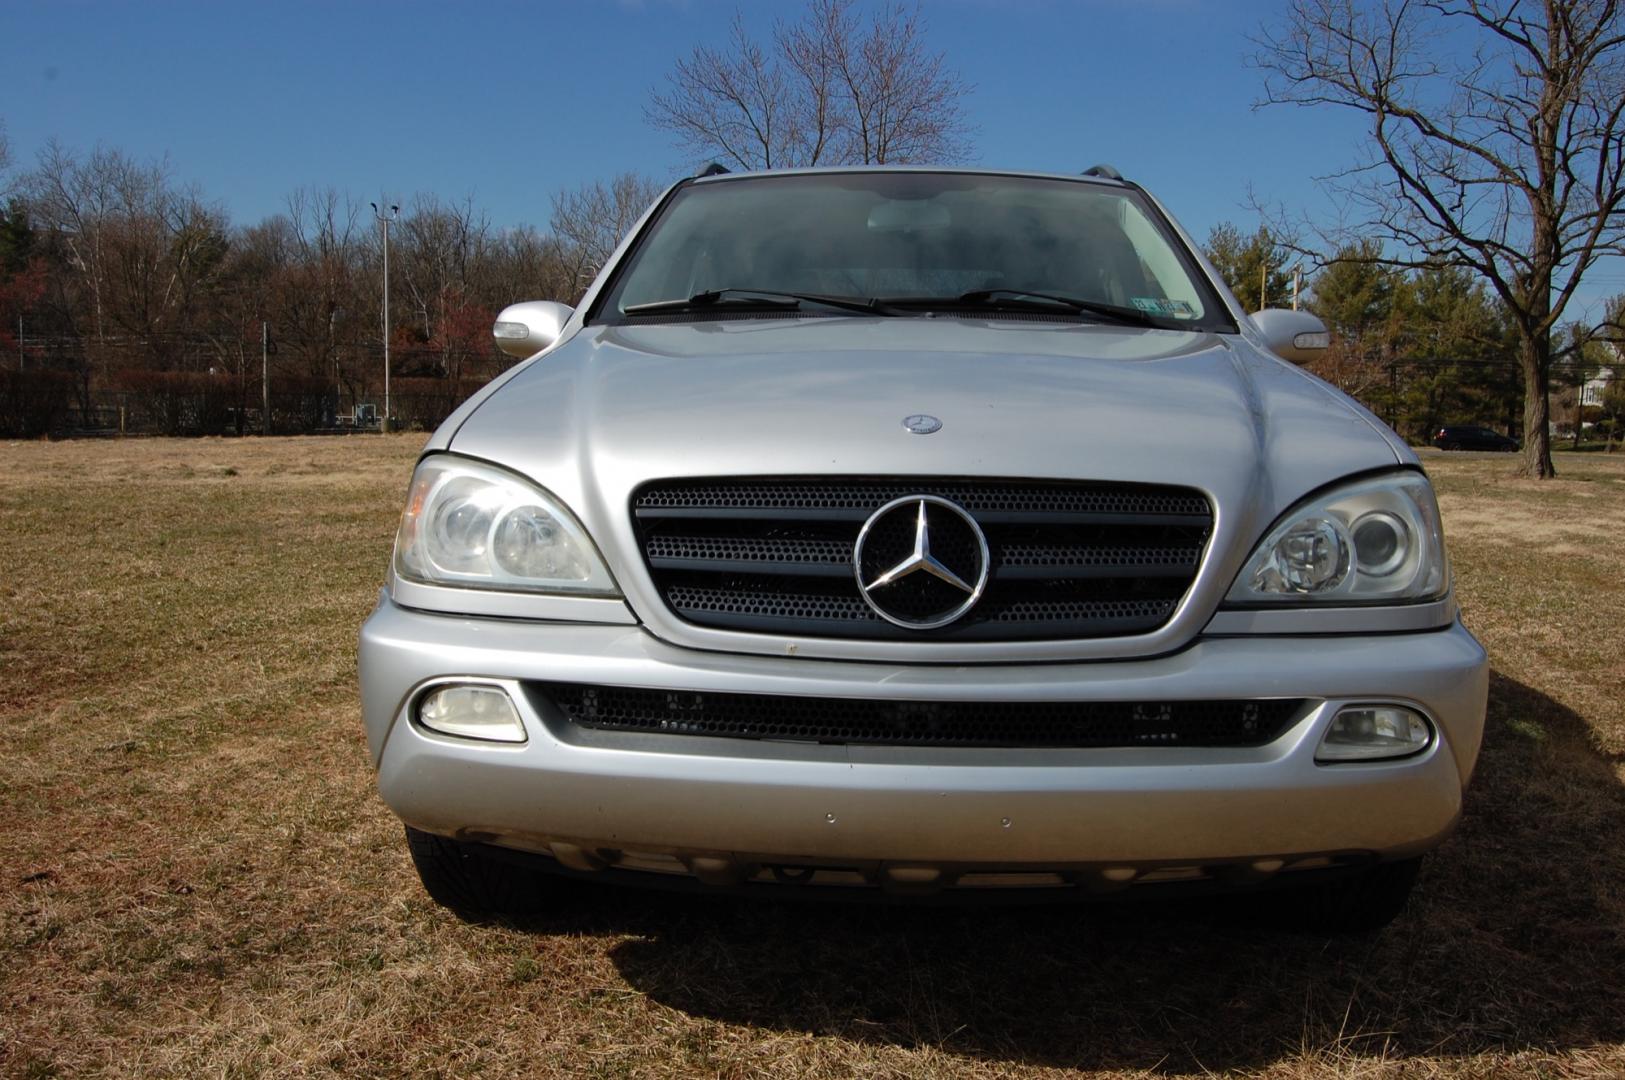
[922, 423]
[921, 562]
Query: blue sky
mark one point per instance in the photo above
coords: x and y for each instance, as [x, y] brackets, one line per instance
[508, 102]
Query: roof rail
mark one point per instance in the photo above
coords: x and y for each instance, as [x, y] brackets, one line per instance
[714, 169]
[1105, 171]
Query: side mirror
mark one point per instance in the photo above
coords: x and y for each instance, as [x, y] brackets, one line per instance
[526, 329]
[1292, 335]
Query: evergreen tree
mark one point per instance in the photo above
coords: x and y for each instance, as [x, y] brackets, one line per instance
[1462, 362]
[16, 238]
[1249, 264]
[1354, 297]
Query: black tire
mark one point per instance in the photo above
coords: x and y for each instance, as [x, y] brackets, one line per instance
[475, 884]
[1360, 904]
[1507, 448]
[1452, 446]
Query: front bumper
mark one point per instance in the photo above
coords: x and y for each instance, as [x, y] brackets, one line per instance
[728, 808]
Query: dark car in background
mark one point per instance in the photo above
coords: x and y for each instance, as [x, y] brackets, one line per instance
[1465, 437]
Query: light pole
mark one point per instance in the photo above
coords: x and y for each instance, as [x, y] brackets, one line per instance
[332, 350]
[394, 212]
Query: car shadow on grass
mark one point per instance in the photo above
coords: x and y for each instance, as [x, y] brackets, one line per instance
[1513, 941]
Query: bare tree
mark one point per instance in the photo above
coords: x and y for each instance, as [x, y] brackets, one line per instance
[75, 201]
[590, 222]
[144, 249]
[1496, 144]
[246, 292]
[901, 102]
[140, 287]
[439, 244]
[5, 160]
[525, 263]
[733, 105]
[318, 277]
[442, 245]
[830, 89]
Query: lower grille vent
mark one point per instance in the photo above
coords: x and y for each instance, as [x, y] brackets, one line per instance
[924, 723]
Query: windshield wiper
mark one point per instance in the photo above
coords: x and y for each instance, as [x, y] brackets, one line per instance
[1022, 298]
[765, 299]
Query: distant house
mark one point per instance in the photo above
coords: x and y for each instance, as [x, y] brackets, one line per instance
[1596, 386]
[1581, 406]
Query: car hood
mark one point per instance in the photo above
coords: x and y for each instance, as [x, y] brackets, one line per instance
[1016, 399]
[615, 406]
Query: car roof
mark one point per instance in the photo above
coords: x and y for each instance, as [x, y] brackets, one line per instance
[835, 170]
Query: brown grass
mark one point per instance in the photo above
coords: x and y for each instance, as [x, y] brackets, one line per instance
[197, 878]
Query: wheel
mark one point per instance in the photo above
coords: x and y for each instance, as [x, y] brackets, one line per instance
[475, 884]
[1452, 446]
[1368, 901]
[1508, 448]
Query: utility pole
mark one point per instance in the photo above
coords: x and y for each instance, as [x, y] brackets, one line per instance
[1263, 283]
[338, 381]
[387, 219]
[1297, 280]
[265, 378]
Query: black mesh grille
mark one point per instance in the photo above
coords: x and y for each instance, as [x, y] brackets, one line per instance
[749, 549]
[769, 604]
[868, 495]
[1067, 560]
[1135, 558]
[789, 605]
[924, 723]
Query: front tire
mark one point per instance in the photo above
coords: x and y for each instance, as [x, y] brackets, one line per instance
[474, 884]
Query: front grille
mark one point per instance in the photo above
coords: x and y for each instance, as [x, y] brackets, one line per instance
[924, 723]
[1068, 560]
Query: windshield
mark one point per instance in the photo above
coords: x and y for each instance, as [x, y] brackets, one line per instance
[917, 240]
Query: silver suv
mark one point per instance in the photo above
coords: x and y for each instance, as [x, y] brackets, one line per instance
[919, 533]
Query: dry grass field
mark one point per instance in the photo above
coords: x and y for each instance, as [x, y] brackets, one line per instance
[197, 879]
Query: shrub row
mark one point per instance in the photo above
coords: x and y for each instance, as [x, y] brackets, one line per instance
[33, 402]
[37, 402]
[198, 403]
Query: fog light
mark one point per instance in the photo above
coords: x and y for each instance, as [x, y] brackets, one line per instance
[472, 712]
[1370, 732]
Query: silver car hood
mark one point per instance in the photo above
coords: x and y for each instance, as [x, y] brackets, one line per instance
[614, 407]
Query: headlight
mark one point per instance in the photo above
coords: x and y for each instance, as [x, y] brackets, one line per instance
[478, 527]
[1373, 541]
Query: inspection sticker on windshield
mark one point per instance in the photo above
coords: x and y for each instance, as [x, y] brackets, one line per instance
[1156, 305]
